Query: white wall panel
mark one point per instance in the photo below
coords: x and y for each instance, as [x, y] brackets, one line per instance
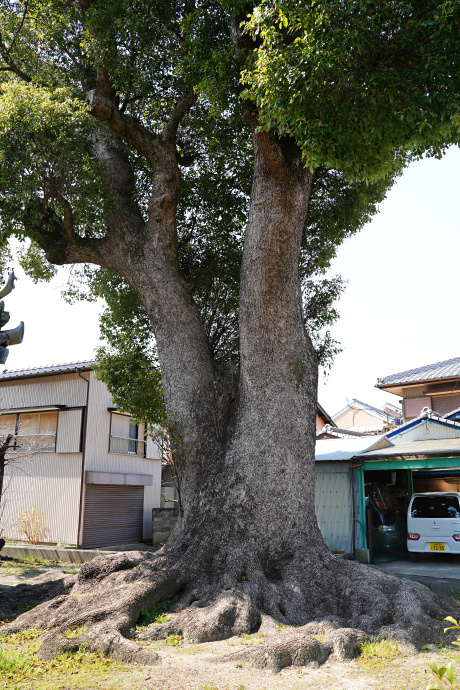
[333, 504]
[69, 431]
[98, 458]
[66, 389]
[153, 450]
[426, 432]
[50, 483]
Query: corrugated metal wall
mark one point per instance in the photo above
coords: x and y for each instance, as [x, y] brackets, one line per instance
[425, 432]
[99, 459]
[67, 389]
[333, 503]
[69, 431]
[51, 483]
[113, 515]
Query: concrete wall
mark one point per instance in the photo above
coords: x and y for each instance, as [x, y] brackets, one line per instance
[163, 521]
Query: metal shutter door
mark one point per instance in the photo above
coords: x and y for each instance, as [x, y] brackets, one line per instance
[113, 515]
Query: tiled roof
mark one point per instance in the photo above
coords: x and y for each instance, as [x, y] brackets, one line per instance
[6, 374]
[331, 449]
[446, 447]
[425, 414]
[449, 368]
[377, 412]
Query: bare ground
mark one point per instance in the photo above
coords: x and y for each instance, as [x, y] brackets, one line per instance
[200, 667]
[307, 657]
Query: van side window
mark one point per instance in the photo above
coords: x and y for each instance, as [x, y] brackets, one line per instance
[435, 507]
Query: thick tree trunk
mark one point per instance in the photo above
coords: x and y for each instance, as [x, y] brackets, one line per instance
[246, 552]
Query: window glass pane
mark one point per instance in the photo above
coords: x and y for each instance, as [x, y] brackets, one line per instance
[28, 424]
[435, 507]
[132, 429]
[48, 421]
[120, 425]
[7, 424]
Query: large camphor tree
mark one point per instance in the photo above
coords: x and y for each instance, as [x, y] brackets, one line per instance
[105, 107]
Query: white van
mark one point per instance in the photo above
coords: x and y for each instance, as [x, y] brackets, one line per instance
[433, 524]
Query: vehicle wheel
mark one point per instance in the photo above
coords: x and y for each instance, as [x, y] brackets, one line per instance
[414, 557]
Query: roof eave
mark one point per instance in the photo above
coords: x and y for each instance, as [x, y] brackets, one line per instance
[421, 382]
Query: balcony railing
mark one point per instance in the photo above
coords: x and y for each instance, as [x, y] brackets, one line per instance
[31, 443]
[127, 446]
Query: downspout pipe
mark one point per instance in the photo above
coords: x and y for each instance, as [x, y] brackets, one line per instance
[83, 455]
[354, 518]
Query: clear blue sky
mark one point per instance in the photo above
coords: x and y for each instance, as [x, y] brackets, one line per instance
[398, 311]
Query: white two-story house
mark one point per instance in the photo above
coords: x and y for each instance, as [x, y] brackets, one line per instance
[89, 471]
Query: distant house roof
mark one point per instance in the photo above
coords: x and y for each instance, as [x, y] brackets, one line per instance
[425, 415]
[379, 413]
[453, 414]
[322, 414]
[449, 447]
[8, 375]
[448, 369]
[335, 432]
[329, 450]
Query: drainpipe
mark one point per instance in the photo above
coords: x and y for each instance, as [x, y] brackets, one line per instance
[83, 455]
[355, 519]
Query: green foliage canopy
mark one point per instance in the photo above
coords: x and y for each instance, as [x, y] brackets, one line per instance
[362, 88]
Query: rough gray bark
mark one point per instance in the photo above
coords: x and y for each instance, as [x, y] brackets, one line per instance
[247, 549]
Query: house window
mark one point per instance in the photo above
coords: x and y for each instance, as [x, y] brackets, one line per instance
[31, 431]
[126, 436]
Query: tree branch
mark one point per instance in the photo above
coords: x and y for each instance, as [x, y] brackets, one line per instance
[10, 64]
[61, 248]
[68, 216]
[126, 126]
[183, 105]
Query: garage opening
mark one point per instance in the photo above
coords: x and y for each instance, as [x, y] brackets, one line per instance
[113, 515]
[387, 494]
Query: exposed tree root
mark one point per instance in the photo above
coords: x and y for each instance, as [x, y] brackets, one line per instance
[336, 603]
[42, 588]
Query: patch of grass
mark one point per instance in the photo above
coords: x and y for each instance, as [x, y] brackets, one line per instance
[249, 639]
[20, 667]
[75, 631]
[282, 627]
[320, 638]
[155, 614]
[174, 640]
[190, 650]
[81, 596]
[375, 654]
[13, 662]
[27, 607]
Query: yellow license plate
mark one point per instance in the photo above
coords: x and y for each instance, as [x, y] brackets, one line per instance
[435, 546]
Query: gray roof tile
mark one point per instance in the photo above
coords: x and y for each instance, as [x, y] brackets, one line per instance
[6, 374]
[447, 447]
[449, 368]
